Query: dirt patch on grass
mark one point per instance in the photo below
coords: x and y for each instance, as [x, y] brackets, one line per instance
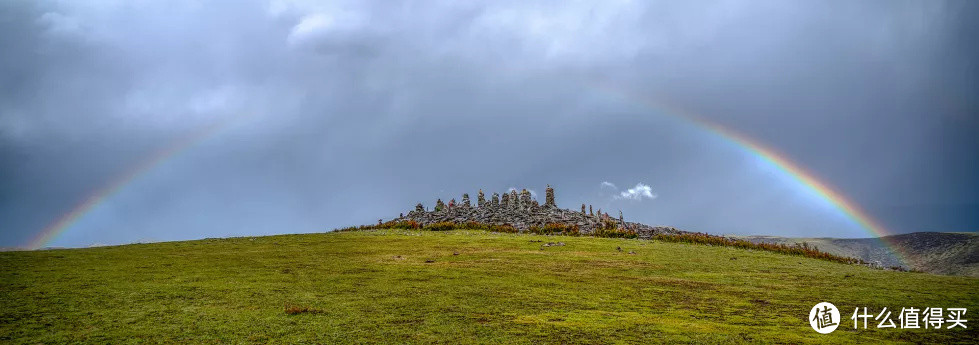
[296, 310]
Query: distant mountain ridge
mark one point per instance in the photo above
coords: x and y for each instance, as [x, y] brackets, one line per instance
[949, 253]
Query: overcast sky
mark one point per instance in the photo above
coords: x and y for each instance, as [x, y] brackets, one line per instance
[327, 114]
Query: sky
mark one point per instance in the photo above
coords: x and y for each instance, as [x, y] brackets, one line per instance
[134, 121]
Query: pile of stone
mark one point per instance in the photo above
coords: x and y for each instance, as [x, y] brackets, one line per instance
[521, 210]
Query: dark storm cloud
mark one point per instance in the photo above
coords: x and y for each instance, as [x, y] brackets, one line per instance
[344, 112]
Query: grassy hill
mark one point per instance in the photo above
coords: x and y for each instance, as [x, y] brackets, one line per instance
[953, 253]
[397, 286]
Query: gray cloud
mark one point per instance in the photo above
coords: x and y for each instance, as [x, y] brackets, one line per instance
[344, 112]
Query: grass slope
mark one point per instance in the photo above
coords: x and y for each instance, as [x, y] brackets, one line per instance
[953, 253]
[377, 286]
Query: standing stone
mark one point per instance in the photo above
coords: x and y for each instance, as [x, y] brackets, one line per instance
[495, 200]
[419, 208]
[549, 197]
[465, 201]
[514, 200]
[590, 213]
[525, 202]
[480, 199]
[439, 205]
[621, 220]
[583, 209]
[505, 201]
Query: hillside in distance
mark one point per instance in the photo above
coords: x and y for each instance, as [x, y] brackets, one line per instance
[951, 253]
[457, 286]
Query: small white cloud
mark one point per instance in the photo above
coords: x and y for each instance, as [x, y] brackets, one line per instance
[606, 184]
[337, 32]
[310, 27]
[637, 193]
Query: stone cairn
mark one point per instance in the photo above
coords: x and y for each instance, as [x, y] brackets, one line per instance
[521, 210]
[549, 197]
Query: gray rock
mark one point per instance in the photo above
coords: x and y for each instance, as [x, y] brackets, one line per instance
[549, 197]
[522, 212]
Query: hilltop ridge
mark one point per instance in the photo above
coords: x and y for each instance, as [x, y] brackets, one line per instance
[522, 211]
[458, 286]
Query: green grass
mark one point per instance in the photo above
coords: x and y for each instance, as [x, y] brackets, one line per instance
[407, 286]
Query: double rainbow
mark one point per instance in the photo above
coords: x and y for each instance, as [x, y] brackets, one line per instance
[753, 148]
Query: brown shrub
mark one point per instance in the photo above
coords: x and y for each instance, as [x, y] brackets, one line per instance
[295, 310]
[800, 249]
[555, 229]
[505, 228]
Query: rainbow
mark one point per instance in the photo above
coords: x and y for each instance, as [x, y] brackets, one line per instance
[117, 184]
[767, 155]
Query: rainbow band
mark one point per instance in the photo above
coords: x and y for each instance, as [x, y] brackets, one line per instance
[768, 155]
[116, 185]
[771, 157]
